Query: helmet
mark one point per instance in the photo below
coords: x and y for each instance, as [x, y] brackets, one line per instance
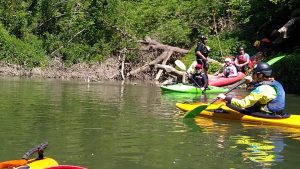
[256, 44]
[227, 60]
[198, 66]
[241, 48]
[203, 37]
[263, 68]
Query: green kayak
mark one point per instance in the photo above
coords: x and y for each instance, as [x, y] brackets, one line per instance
[187, 88]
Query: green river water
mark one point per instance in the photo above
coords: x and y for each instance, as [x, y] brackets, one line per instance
[110, 125]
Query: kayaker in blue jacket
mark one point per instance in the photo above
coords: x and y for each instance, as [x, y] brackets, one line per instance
[267, 98]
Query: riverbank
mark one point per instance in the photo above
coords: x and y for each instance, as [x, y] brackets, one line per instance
[57, 70]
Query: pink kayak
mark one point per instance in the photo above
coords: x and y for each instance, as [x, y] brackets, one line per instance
[66, 167]
[224, 81]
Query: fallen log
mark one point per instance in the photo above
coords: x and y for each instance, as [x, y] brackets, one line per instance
[172, 71]
[153, 44]
[168, 51]
[164, 62]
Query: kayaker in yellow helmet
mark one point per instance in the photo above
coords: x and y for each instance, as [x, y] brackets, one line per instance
[267, 98]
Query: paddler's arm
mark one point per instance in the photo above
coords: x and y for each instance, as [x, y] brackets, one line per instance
[198, 53]
[248, 101]
[247, 61]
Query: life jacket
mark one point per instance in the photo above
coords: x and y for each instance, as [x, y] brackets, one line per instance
[227, 71]
[203, 49]
[201, 79]
[199, 75]
[242, 59]
[276, 105]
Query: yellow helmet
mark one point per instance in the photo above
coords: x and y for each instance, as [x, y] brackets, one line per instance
[256, 43]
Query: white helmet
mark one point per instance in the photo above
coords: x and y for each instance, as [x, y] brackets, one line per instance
[227, 60]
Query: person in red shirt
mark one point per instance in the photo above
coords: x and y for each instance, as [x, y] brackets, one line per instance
[242, 60]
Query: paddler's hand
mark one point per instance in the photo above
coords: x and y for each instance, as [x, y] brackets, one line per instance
[202, 88]
[248, 79]
[222, 96]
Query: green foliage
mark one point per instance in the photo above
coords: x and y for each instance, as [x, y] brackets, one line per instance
[289, 66]
[172, 32]
[21, 52]
[239, 10]
[93, 30]
[215, 67]
[227, 45]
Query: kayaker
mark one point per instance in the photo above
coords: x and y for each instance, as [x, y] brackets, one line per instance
[201, 53]
[258, 57]
[196, 76]
[264, 47]
[242, 60]
[267, 98]
[229, 69]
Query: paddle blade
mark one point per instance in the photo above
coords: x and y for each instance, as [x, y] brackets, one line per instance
[193, 113]
[180, 64]
[274, 60]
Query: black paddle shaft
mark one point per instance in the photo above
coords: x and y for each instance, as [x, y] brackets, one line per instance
[242, 82]
[40, 149]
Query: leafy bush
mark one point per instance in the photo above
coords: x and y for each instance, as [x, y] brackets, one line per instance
[172, 32]
[14, 50]
[227, 46]
[287, 72]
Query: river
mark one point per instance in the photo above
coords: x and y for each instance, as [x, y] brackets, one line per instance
[110, 125]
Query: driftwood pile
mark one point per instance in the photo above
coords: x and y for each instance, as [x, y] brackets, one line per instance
[160, 59]
[165, 55]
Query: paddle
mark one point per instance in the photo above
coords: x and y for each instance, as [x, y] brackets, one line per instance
[193, 113]
[15, 163]
[182, 66]
[199, 109]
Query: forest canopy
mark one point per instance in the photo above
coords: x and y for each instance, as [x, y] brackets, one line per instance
[34, 31]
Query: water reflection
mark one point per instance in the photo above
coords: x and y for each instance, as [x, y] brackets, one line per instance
[188, 97]
[258, 144]
[263, 150]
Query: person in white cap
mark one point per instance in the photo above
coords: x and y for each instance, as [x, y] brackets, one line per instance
[229, 69]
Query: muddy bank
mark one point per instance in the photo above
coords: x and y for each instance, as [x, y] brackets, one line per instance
[107, 70]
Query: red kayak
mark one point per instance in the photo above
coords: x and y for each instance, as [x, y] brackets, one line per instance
[66, 167]
[224, 81]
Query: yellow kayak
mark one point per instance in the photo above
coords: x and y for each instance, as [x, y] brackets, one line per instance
[41, 164]
[228, 113]
[38, 163]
